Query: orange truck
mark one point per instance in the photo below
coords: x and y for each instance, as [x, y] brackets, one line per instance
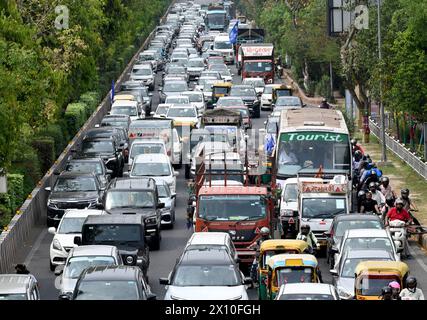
[239, 209]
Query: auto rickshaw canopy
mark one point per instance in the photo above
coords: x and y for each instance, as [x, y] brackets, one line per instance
[378, 267]
[283, 244]
[292, 260]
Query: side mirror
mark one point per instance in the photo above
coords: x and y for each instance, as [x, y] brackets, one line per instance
[48, 189]
[59, 269]
[164, 281]
[176, 173]
[247, 280]
[173, 195]
[151, 296]
[126, 174]
[78, 240]
[160, 205]
[334, 272]
[110, 172]
[52, 230]
[152, 113]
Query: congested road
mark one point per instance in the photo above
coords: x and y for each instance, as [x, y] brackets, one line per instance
[35, 253]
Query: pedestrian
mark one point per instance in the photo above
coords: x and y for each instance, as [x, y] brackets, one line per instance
[21, 269]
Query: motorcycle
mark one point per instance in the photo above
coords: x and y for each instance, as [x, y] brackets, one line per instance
[397, 229]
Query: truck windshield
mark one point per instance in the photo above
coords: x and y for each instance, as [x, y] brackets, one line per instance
[310, 150]
[232, 207]
[220, 45]
[111, 233]
[323, 208]
[257, 66]
[216, 20]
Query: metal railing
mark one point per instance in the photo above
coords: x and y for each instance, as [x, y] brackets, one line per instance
[34, 210]
[399, 149]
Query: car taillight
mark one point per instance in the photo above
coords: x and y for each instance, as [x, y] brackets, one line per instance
[132, 135]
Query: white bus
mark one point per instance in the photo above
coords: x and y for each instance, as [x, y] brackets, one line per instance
[311, 140]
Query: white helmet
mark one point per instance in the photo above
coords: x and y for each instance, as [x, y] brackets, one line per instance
[264, 231]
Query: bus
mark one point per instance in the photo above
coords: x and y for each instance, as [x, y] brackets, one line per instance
[312, 141]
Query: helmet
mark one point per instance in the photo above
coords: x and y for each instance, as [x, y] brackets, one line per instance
[411, 282]
[389, 201]
[404, 192]
[358, 155]
[361, 193]
[385, 179]
[394, 285]
[324, 100]
[265, 231]
[386, 290]
[353, 141]
[399, 201]
[372, 185]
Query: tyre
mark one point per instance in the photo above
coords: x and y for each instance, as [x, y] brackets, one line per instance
[52, 267]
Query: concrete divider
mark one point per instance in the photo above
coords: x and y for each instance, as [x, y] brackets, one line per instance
[33, 211]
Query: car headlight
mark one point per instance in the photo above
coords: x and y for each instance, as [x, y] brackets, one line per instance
[151, 220]
[51, 204]
[343, 293]
[56, 245]
[93, 203]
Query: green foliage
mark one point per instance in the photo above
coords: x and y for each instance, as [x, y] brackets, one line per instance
[323, 87]
[45, 148]
[91, 99]
[75, 115]
[55, 132]
[15, 192]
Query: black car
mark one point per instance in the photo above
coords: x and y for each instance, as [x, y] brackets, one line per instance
[108, 150]
[116, 120]
[73, 191]
[88, 165]
[117, 133]
[111, 283]
[137, 196]
[125, 231]
[344, 222]
[249, 97]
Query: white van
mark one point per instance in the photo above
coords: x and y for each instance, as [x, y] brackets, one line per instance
[222, 44]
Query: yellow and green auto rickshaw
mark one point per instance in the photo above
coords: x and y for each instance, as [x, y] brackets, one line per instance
[371, 276]
[290, 268]
[271, 248]
[281, 90]
[219, 89]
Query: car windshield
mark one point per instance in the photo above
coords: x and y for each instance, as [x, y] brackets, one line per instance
[115, 123]
[143, 148]
[323, 208]
[195, 64]
[96, 146]
[142, 71]
[242, 91]
[268, 90]
[75, 184]
[175, 87]
[130, 111]
[76, 265]
[230, 102]
[107, 290]
[162, 110]
[162, 191]
[255, 83]
[294, 275]
[305, 296]
[13, 296]
[129, 199]
[151, 169]
[372, 286]
[232, 207]
[350, 265]
[290, 194]
[342, 226]
[218, 67]
[146, 57]
[111, 234]
[257, 66]
[85, 167]
[71, 225]
[360, 243]
[176, 70]
[221, 90]
[177, 100]
[288, 101]
[221, 45]
[206, 275]
[194, 97]
[182, 113]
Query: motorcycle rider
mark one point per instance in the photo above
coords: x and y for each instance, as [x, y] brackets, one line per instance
[361, 196]
[389, 203]
[265, 235]
[386, 293]
[411, 292]
[370, 174]
[376, 195]
[407, 202]
[398, 213]
[395, 290]
[369, 204]
[308, 236]
[355, 146]
[385, 188]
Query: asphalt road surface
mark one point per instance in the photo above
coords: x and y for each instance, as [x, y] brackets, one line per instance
[35, 253]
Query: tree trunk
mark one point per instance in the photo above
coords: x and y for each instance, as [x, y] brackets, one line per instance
[306, 77]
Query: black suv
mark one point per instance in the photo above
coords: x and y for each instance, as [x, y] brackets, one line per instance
[88, 165]
[249, 97]
[108, 150]
[111, 283]
[117, 133]
[73, 191]
[126, 232]
[137, 196]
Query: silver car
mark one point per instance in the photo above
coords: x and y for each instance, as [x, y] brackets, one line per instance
[168, 198]
[18, 287]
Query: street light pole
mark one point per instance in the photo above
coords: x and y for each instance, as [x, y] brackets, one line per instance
[381, 105]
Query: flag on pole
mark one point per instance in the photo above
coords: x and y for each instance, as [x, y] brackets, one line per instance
[112, 91]
[233, 33]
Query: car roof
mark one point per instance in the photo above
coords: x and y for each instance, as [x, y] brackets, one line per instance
[367, 233]
[68, 174]
[147, 141]
[205, 238]
[125, 103]
[356, 216]
[132, 183]
[308, 288]
[115, 219]
[81, 213]
[14, 283]
[151, 157]
[206, 256]
[110, 273]
[93, 250]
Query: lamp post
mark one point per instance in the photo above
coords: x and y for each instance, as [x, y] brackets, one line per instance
[381, 105]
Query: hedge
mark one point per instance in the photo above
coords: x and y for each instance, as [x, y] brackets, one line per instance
[91, 99]
[15, 190]
[27, 163]
[45, 147]
[58, 134]
[5, 217]
[75, 115]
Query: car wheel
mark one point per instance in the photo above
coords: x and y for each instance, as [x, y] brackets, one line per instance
[51, 266]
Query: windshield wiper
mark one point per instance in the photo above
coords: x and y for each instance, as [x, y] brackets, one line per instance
[325, 215]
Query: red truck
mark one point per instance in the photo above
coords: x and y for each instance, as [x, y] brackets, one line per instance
[256, 61]
[238, 209]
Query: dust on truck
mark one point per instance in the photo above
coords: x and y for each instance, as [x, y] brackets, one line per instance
[241, 211]
[256, 61]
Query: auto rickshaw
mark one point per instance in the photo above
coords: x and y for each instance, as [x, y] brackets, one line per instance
[281, 90]
[219, 89]
[270, 248]
[290, 268]
[371, 276]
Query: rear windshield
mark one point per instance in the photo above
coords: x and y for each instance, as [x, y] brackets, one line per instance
[112, 233]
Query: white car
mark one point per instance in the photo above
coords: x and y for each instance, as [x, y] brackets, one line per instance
[81, 258]
[267, 97]
[69, 227]
[161, 111]
[177, 100]
[197, 99]
[202, 80]
[366, 239]
[206, 275]
[307, 291]
[220, 240]
[146, 146]
[156, 166]
[143, 73]
[222, 44]
[127, 107]
[184, 115]
[258, 84]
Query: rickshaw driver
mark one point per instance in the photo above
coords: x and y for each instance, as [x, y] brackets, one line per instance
[265, 235]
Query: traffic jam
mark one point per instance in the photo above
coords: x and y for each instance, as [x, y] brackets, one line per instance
[273, 198]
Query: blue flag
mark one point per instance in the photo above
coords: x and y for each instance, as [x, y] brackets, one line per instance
[112, 91]
[233, 33]
[270, 144]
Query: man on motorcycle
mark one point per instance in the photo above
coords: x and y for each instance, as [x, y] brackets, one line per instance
[398, 213]
[369, 204]
[385, 188]
[376, 195]
[308, 236]
[411, 292]
[407, 203]
[265, 235]
[395, 290]
[361, 196]
[355, 146]
[389, 203]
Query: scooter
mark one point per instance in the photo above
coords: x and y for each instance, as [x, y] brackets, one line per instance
[397, 229]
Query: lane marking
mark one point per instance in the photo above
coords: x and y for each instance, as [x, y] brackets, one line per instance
[419, 260]
[35, 247]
